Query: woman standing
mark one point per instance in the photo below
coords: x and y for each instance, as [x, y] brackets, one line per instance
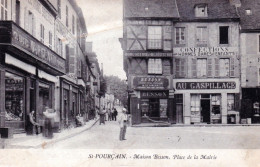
[122, 120]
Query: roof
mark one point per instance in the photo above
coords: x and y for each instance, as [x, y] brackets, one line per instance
[217, 9]
[150, 9]
[250, 22]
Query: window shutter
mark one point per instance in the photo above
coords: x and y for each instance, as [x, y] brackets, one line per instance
[209, 67]
[232, 67]
[177, 64]
[25, 18]
[237, 101]
[194, 67]
[216, 67]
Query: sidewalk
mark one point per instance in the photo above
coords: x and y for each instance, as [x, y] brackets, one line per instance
[20, 141]
[191, 125]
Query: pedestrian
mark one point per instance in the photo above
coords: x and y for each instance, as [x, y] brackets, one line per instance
[49, 115]
[106, 114]
[122, 120]
[109, 115]
[102, 116]
[114, 114]
[96, 112]
[33, 124]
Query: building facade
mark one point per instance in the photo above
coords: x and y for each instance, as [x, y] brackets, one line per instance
[148, 56]
[42, 46]
[250, 59]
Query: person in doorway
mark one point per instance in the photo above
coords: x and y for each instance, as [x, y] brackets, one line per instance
[49, 115]
[33, 123]
[122, 120]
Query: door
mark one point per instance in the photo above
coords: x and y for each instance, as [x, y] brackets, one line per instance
[179, 113]
[205, 110]
[154, 108]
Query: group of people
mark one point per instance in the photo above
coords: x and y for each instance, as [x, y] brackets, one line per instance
[107, 114]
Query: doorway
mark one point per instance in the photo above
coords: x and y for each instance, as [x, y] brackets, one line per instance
[154, 108]
[205, 110]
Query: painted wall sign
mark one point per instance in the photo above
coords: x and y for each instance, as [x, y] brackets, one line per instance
[154, 94]
[205, 85]
[151, 82]
[42, 52]
[205, 51]
[148, 54]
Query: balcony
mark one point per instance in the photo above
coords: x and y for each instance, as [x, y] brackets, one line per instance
[24, 46]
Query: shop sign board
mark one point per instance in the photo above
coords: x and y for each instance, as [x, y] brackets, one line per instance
[154, 94]
[205, 51]
[151, 82]
[205, 85]
[42, 52]
[148, 54]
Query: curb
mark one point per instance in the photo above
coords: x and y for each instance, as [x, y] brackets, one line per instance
[46, 144]
[209, 125]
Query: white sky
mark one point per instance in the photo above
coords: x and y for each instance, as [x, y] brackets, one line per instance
[104, 23]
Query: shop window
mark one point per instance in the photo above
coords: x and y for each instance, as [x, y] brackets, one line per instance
[195, 107]
[155, 66]
[145, 107]
[201, 10]
[163, 108]
[223, 34]
[154, 37]
[44, 97]
[14, 97]
[230, 102]
[202, 36]
[215, 102]
[224, 67]
[3, 10]
[180, 35]
[201, 67]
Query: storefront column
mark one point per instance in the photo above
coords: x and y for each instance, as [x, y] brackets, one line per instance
[2, 98]
[37, 101]
[171, 109]
[224, 108]
[186, 112]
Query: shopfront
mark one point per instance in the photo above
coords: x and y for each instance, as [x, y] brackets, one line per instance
[29, 73]
[201, 101]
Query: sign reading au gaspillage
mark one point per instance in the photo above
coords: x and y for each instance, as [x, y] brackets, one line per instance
[205, 85]
[151, 82]
[205, 51]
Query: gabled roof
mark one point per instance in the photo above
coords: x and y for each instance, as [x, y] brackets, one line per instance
[250, 22]
[216, 9]
[150, 9]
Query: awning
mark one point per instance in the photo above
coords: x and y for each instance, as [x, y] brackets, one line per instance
[42, 74]
[81, 82]
[18, 63]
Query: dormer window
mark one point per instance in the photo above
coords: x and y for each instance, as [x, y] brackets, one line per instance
[248, 12]
[201, 10]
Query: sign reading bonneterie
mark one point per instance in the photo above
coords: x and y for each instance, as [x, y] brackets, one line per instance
[151, 82]
[205, 85]
[42, 52]
[205, 51]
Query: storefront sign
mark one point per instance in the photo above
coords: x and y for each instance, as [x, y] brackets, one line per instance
[41, 51]
[154, 94]
[205, 51]
[152, 54]
[151, 82]
[205, 85]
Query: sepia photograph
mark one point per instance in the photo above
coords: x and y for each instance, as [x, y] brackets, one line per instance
[129, 83]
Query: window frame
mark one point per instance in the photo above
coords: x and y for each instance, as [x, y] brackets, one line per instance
[67, 16]
[205, 41]
[42, 33]
[220, 67]
[181, 42]
[152, 69]
[228, 34]
[73, 24]
[161, 39]
[199, 13]
[50, 39]
[4, 10]
[198, 66]
[234, 102]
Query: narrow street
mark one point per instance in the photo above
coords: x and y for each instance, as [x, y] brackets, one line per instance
[107, 137]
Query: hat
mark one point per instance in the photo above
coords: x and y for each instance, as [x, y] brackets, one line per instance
[124, 110]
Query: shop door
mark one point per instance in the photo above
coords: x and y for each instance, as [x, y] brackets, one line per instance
[205, 110]
[154, 107]
[65, 105]
[179, 113]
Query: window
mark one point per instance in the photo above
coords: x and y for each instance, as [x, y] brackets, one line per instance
[223, 35]
[42, 33]
[154, 37]
[248, 12]
[201, 67]
[73, 24]
[201, 10]
[180, 35]
[230, 102]
[50, 39]
[67, 16]
[59, 46]
[155, 66]
[17, 12]
[14, 97]
[202, 36]
[224, 67]
[59, 8]
[215, 102]
[30, 22]
[180, 67]
[3, 10]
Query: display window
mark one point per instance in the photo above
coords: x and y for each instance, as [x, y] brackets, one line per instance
[163, 108]
[195, 108]
[14, 97]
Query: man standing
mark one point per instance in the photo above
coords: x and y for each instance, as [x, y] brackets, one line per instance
[122, 123]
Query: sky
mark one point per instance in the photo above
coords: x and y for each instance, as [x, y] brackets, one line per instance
[104, 24]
